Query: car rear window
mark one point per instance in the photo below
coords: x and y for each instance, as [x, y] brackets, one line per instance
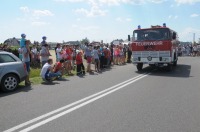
[4, 58]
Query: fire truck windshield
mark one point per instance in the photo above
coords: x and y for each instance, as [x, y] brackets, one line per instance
[151, 34]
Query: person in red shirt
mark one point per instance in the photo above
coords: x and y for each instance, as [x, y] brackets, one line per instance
[69, 59]
[80, 69]
[59, 67]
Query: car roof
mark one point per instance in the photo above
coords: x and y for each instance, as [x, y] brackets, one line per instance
[5, 52]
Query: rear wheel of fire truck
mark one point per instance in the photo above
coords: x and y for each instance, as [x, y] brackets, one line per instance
[175, 60]
[169, 67]
[175, 63]
[139, 66]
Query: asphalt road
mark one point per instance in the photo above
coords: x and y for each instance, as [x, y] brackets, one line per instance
[118, 100]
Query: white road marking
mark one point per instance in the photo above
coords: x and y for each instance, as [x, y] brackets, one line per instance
[78, 104]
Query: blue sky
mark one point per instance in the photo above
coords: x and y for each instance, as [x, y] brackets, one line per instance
[95, 19]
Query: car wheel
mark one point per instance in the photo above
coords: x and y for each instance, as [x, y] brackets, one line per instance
[9, 82]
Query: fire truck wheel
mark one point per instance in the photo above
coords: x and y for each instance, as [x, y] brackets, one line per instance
[175, 63]
[169, 67]
[139, 66]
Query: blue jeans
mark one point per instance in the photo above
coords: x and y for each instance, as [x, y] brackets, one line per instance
[53, 75]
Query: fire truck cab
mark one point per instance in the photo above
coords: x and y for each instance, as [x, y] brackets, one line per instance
[156, 46]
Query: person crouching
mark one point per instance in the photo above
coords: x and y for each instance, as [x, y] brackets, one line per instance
[59, 67]
[80, 69]
[47, 72]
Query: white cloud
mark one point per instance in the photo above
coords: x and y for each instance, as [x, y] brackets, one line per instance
[119, 19]
[24, 9]
[187, 1]
[94, 11]
[157, 1]
[194, 15]
[37, 23]
[34, 16]
[78, 19]
[74, 26]
[175, 17]
[40, 13]
[128, 19]
[172, 17]
[113, 2]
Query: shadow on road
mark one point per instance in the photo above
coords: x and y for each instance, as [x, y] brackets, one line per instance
[18, 90]
[181, 70]
[49, 83]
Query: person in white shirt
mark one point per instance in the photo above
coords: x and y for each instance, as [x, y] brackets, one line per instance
[95, 54]
[44, 54]
[58, 53]
[47, 72]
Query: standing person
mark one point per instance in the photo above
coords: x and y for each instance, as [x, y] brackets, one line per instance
[26, 60]
[102, 56]
[58, 52]
[80, 69]
[129, 54]
[47, 72]
[20, 53]
[195, 50]
[112, 54]
[44, 54]
[74, 56]
[34, 55]
[96, 59]
[125, 53]
[69, 59]
[88, 53]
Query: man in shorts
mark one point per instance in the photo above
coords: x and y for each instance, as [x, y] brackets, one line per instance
[26, 60]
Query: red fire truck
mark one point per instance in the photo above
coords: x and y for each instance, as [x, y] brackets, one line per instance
[156, 46]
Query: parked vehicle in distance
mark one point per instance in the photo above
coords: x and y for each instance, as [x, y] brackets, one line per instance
[12, 71]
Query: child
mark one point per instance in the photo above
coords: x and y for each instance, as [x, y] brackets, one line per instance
[23, 41]
[80, 69]
[58, 67]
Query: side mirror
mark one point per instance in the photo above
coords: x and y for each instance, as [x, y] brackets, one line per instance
[174, 35]
[129, 38]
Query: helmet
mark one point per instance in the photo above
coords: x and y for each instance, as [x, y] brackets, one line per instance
[44, 37]
[23, 35]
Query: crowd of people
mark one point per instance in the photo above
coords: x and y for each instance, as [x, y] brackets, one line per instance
[73, 58]
[69, 58]
[189, 50]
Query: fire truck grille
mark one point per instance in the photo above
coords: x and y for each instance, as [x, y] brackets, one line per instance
[153, 54]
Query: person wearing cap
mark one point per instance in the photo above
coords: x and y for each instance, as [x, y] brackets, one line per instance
[44, 38]
[23, 40]
[80, 69]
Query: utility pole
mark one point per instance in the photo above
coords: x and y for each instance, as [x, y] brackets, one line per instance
[193, 38]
